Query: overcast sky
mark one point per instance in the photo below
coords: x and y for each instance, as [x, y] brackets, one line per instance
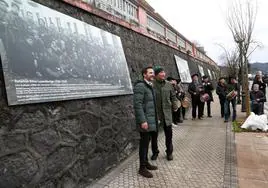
[205, 21]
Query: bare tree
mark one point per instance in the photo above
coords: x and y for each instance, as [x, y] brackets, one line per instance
[230, 59]
[241, 19]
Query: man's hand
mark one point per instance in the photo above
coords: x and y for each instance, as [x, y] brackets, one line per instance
[144, 125]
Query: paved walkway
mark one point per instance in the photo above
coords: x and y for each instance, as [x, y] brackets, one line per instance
[252, 155]
[204, 156]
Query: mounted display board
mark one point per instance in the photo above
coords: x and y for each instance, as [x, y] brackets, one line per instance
[183, 69]
[49, 56]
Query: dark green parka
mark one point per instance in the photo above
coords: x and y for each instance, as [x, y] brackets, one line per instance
[145, 106]
[166, 101]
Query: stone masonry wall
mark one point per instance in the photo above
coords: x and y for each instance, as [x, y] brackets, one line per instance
[71, 143]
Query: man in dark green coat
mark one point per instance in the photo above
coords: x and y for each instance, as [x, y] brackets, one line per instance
[166, 102]
[146, 118]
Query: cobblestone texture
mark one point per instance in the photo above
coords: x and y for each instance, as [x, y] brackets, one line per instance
[204, 156]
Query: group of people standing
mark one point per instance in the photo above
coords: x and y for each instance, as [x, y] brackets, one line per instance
[227, 92]
[157, 103]
[201, 94]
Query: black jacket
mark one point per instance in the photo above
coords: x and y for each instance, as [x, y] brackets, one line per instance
[221, 91]
[208, 88]
[254, 95]
[262, 86]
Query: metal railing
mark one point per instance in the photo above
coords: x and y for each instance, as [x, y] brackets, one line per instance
[128, 11]
[189, 47]
[171, 36]
[121, 8]
[181, 43]
[155, 25]
[91, 2]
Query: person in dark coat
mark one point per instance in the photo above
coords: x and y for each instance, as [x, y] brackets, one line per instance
[196, 90]
[208, 88]
[262, 85]
[166, 102]
[146, 118]
[257, 100]
[176, 115]
[232, 87]
[181, 96]
[221, 91]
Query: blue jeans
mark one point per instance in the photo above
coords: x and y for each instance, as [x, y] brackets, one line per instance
[227, 111]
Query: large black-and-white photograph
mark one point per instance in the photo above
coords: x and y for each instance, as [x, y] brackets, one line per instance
[183, 69]
[49, 56]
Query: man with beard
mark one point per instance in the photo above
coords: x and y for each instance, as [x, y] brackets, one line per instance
[146, 118]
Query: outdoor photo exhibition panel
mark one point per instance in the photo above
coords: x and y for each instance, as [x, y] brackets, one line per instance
[183, 69]
[49, 56]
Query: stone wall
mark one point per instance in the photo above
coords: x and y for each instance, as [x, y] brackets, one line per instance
[71, 143]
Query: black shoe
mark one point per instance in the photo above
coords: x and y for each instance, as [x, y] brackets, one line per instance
[225, 121]
[145, 173]
[200, 118]
[151, 167]
[180, 121]
[170, 157]
[210, 116]
[154, 157]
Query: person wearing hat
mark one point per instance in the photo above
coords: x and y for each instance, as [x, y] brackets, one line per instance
[195, 89]
[166, 102]
[208, 88]
[182, 97]
[221, 91]
[176, 115]
[146, 118]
